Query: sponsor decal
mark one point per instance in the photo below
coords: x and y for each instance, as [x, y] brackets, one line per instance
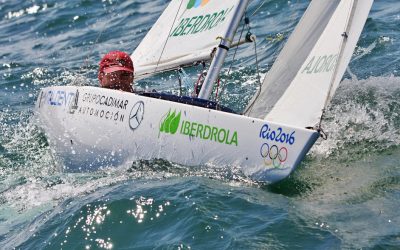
[321, 64]
[69, 100]
[101, 113]
[274, 155]
[60, 98]
[196, 3]
[136, 115]
[278, 135]
[73, 106]
[172, 123]
[57, 98]
[103, 100]
[200, 23]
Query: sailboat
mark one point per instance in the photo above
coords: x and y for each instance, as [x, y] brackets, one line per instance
[91, 127]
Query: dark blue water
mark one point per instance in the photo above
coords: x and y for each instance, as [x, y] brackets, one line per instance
[345, 195]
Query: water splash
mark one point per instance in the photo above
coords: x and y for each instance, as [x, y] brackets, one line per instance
[28, 11]
[363, 117]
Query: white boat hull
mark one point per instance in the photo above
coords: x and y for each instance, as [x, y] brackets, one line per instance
[91, 127]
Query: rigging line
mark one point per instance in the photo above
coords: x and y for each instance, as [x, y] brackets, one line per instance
[233, 60]
[169, 33]
[258, 8]
[180, 83]
[250, 107]
[197, 86]
[342, 44]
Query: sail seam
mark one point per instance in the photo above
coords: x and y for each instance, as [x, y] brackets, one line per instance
[169, 33]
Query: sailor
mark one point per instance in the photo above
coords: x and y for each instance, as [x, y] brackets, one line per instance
[116, 71]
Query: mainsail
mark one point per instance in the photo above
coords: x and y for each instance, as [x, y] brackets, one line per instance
[310, 67]
[186, 32]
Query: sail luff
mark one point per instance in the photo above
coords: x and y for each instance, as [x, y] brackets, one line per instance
[331, 90]
[358, 19]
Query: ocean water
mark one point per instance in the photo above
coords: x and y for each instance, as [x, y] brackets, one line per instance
[345, 195]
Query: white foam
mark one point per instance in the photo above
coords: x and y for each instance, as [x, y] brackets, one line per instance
[362, 111]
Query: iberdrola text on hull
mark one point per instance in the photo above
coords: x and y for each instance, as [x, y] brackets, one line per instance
[95, 135]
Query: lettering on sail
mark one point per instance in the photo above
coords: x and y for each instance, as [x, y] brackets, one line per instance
[198, 24]
[321, 64]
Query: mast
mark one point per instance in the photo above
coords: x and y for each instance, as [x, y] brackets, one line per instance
[222, 51]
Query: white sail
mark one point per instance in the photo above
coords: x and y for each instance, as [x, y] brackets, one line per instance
[186, 32]
[316, 80]
[292, 56]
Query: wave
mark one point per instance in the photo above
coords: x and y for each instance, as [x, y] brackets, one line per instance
[364, 117]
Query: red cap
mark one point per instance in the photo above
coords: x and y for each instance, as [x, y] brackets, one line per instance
[114, 61]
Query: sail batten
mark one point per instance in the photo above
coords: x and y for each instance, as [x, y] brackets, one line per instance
[184, 33]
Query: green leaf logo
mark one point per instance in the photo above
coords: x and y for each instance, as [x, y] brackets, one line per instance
[171, 123]
[168, 122]
[162, 126]
[174, 124]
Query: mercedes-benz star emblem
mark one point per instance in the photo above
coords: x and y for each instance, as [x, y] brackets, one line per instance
[136, 115]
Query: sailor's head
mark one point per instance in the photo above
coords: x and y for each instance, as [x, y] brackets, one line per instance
[116, 71]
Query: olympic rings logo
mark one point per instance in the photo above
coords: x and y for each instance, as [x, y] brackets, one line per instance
[273, 155]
